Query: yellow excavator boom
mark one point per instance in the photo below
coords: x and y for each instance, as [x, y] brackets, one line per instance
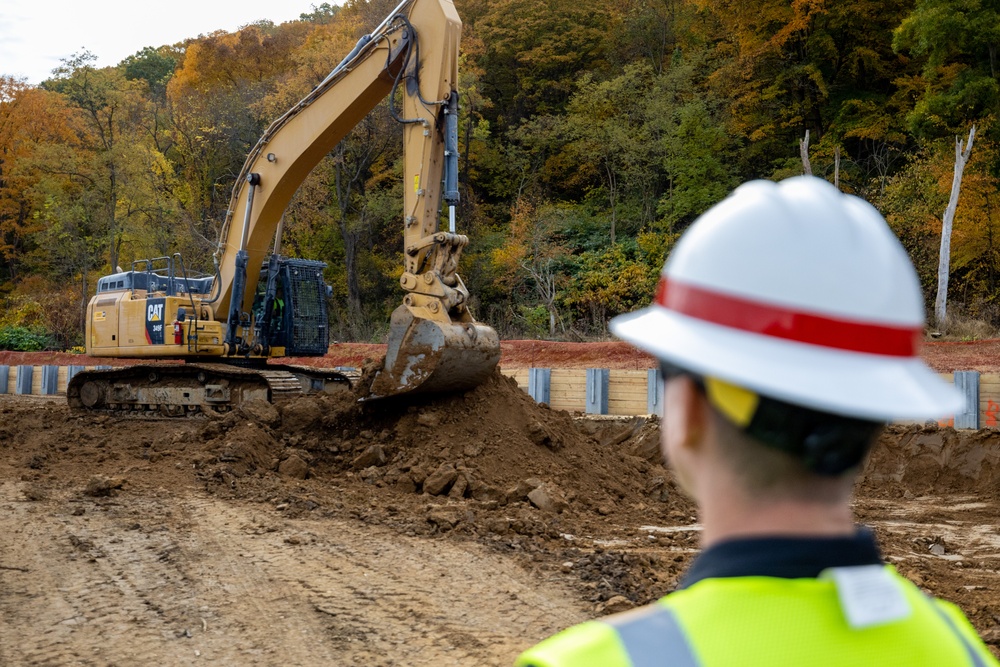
[434, 342]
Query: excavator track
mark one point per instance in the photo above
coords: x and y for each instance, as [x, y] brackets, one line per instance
[171, 391]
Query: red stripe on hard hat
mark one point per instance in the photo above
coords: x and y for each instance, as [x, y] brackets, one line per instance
[779, 322]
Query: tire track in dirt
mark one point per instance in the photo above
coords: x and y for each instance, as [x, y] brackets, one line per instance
[387, 599]
[171, 578]
[72, 600]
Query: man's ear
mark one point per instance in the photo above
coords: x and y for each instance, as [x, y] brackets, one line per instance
[686, 407]
[683, 431]
[685, 416]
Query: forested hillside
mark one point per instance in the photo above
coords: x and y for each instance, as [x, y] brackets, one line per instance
[592, 133]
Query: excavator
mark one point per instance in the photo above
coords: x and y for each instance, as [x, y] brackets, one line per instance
[205, 340]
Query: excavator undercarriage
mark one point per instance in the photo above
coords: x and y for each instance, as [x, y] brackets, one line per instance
[191, 390]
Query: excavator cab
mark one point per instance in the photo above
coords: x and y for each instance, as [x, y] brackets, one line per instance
[289, 308]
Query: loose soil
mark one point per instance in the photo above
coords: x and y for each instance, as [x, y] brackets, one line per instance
[455, 530]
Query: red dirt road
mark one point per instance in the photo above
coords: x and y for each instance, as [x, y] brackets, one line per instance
[944, 357]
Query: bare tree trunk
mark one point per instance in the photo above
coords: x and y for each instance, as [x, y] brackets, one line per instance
[944, 260]
[804, 152]
[83, 306]
[836, 167]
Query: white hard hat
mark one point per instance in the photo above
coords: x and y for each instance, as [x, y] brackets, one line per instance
[798, 292]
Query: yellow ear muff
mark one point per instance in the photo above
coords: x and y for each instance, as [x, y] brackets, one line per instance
[737, 404]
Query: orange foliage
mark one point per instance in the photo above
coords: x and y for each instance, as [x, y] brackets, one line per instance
[30, 119]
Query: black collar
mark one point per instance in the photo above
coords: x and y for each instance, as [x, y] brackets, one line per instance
[783, 557]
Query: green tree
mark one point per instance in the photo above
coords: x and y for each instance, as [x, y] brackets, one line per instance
[608, 134]
[959, 40]
[110, 106]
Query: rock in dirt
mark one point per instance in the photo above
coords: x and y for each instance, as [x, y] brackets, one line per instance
[658, 489]
[617, 604]
[523, 488]
[542, 436]
[301, 414]
[647, 444]
[372, 456]
[548, 499]
[406, 484]
[261, 412]
[429, 419]
[441, 479]
[486, 493]
[101, 487]
[445, 518]
[35, 492]
[460, 486]
[294, 467]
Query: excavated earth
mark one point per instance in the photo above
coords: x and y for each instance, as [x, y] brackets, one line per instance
[438, 531]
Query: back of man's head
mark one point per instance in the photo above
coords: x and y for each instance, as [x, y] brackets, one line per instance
[798, 313]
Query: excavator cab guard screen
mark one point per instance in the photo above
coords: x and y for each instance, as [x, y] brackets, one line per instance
[298, 317]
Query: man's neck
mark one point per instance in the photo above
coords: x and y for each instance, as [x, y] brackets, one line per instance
[729, 517]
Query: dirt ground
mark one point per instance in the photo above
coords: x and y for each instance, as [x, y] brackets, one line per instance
[943, 356]
[514, 354]
[448, 531]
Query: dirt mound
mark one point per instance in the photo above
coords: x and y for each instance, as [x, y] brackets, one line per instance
[492, 444]
[489, 463]
[922, 460]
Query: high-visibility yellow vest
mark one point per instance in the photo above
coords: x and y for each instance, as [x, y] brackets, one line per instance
[773, 622]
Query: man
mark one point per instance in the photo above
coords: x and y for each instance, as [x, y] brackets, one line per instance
[787, 321]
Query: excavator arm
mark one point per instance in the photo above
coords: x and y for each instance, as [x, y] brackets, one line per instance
[434, 342]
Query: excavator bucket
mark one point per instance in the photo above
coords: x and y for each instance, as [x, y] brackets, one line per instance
[430, 356]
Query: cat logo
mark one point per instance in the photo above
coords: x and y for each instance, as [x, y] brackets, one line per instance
[154, 313]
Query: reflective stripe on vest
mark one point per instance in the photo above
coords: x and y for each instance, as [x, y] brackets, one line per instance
[977, 660]
[652, 636]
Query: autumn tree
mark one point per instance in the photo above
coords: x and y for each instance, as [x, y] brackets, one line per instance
[219, 99]
[791, 66]
[533, 52]
[533, 258]
[33, 124]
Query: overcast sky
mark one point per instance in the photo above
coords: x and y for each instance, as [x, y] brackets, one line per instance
[36, 34]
